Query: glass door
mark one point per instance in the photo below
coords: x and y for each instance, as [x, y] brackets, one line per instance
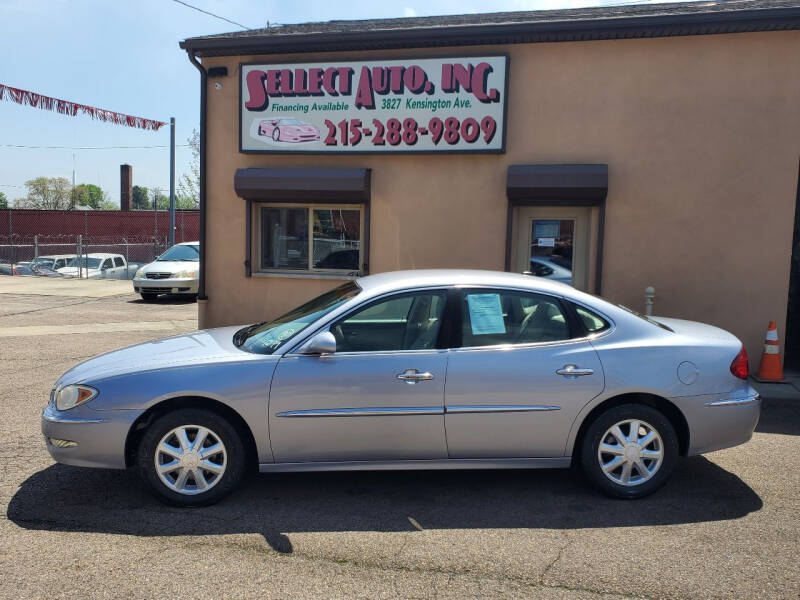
[556, 243]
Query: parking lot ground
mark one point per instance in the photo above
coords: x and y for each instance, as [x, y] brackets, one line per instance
[64, 287]
[725, 526]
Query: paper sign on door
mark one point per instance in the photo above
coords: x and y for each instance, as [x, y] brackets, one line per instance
[485, 314]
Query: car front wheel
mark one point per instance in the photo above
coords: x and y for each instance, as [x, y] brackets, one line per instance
[629, 451]
[149, 297]
[191, 457]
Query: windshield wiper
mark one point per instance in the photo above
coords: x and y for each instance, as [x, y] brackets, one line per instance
[240, 336]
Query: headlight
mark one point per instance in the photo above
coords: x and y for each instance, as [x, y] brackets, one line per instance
[139, 273]
[71, 396]
[186, 274]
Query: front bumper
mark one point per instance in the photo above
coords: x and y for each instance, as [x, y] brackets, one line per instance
[165, 286]
[720, 421]
[98, 436]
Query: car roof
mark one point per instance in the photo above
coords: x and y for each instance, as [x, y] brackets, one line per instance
[102, 255]
[398, 280]
[188, 244]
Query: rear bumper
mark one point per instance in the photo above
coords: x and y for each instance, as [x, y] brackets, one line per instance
[165, 286]
[720, 420]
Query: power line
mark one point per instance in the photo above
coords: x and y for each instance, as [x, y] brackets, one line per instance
[90, 147]
[213, 15]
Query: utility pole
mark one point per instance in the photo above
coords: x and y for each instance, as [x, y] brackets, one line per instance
[172, 181]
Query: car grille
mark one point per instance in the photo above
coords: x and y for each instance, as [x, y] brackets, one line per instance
[158, 275]
[155, 290]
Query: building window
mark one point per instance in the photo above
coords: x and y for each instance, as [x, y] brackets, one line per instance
[311, 239]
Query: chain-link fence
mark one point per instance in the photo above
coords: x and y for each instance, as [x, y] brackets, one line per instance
[54, 238]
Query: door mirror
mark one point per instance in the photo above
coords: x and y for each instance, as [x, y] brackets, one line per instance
[322, 343]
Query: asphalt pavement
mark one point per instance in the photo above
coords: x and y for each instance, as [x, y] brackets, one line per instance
[725, 526]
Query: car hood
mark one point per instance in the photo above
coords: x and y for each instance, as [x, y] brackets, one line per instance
[198, 347]
[169, 266]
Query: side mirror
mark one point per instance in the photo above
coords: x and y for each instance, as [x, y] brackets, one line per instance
[322, 343]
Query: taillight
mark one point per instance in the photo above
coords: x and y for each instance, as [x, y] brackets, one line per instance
[739, 366]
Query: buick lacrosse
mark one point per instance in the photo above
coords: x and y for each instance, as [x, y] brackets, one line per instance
[412, 370]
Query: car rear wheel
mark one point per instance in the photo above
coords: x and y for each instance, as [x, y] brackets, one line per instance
[629, 451]
[149, 297]
[191, 457]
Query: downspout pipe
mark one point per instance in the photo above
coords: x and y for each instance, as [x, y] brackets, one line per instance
[201, 287]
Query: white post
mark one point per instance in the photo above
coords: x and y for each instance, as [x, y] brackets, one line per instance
[649, 294]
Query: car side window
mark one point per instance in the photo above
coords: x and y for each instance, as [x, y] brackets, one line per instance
[404, 322]
[118, 261]
[107, 263]
[492, 317]
[592, 322]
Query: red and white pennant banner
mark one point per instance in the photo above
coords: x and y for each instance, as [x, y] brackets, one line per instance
[65, 107]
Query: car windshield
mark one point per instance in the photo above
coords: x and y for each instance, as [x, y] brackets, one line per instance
[42, 262]
[86, 263]
[289, 122]
[182, 253]
[265, 338]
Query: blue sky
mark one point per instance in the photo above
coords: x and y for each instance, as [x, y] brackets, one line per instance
[124, 56]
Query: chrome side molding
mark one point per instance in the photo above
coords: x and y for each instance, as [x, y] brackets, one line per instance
[387, 411]
[372, 411]
[735, 401]
[499, 408]
[51, 415]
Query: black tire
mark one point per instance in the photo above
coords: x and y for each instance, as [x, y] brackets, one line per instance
[595, 434]
[235, 456]
[276, 134]
[149, 297]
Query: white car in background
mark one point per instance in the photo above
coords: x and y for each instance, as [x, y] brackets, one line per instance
[97, 265]
[52, 262]
[555, 268]
[174, 272]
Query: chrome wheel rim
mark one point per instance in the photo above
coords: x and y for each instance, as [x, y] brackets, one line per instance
[190, 459]
[630, 452]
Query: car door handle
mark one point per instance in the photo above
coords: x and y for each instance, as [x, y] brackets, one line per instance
[412, 376]
[573, 371]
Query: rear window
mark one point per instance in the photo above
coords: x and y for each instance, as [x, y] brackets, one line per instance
[646, 318]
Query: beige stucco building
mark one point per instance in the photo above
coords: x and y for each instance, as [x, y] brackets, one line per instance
[643, 146]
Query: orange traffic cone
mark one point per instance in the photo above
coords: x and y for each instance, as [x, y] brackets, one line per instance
[770, 368]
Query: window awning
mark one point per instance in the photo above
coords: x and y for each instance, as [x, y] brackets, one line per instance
[530, 182]
[294, 184]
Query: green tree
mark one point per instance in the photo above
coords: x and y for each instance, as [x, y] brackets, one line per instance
[188, 194]
[88, 194]
[108, 205]
[3, 201]
[48, 193]
[158, 199]
[141, 198]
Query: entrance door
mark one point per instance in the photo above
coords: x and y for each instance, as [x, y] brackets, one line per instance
[555, 242]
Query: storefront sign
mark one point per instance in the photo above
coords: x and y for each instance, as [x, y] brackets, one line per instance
[414, 105]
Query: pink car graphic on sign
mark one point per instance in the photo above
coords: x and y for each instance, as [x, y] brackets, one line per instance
[288, 130]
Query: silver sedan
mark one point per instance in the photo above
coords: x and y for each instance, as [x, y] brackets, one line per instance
[412, 370]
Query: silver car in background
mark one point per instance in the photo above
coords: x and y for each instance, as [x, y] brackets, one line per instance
[412, 370]
[174, 272]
